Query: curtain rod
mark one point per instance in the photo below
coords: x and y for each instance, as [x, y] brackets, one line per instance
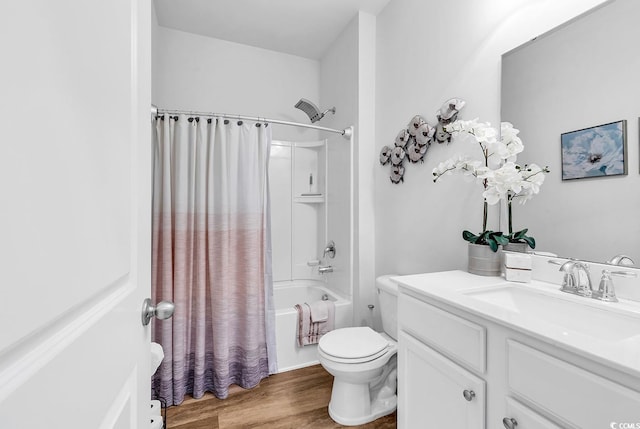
[346, 133]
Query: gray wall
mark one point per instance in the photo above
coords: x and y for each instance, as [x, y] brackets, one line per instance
[427, 52]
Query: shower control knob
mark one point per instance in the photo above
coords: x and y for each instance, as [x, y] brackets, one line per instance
[509, 423]
[163, 310]
[469, 395]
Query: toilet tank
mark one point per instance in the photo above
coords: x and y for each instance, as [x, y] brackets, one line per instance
[388, 298]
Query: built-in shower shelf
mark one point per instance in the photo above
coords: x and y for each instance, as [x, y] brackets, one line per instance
[309, 199]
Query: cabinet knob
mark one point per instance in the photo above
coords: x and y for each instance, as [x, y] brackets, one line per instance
[509, 423]
[469, 395]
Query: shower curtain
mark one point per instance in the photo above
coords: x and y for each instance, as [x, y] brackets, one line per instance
[212, 255]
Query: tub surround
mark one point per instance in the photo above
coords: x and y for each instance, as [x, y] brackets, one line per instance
[508, 364]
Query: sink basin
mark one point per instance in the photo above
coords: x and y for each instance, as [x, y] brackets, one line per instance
[573, 315]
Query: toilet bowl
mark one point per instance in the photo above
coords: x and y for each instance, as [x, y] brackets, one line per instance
[364, 385]
[364, 365]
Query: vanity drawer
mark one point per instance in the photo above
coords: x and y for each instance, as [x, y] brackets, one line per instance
[526, 418]
[457, 337]
[583, 399]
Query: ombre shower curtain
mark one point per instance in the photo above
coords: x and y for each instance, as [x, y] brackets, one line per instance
[212, 255]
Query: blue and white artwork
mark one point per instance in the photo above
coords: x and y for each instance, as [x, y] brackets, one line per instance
[594, 152]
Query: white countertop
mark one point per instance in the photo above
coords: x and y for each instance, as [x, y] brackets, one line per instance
[449, 287]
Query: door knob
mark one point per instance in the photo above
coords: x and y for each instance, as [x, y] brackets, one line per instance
[162, 310]
[509, 423]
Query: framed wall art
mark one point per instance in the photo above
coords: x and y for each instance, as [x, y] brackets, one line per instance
[595, 151]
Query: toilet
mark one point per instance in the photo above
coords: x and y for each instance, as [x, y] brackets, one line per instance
[363, 363]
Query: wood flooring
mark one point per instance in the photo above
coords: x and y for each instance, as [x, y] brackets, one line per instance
[294, 399]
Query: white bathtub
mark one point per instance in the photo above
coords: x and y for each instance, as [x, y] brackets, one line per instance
[288, 294]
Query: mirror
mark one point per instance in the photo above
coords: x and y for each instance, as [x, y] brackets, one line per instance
[583, 74]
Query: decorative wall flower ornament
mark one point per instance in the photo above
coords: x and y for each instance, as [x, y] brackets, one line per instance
[447, 114]
[402, 138]
[449, 111]
[414, 124]
[413, 141]
[498, 173]
[416, 153]
[424, 134]
[397, 155]
[385, 155]
[397, 174]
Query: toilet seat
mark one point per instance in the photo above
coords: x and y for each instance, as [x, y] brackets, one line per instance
[353, 345]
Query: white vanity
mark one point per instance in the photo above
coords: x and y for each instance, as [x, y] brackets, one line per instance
[480, 352]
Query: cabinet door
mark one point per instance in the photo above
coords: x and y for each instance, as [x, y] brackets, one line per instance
[431, 390]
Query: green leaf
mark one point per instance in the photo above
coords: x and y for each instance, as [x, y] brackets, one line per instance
[469, 236]
[492, 243]
[520, 234]
[530, 241]
[501, 239]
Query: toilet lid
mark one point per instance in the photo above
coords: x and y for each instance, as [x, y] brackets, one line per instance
[353, 343]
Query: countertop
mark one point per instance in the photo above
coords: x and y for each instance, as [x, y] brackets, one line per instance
[449, 287]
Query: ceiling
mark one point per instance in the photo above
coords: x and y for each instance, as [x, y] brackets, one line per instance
[299, 27]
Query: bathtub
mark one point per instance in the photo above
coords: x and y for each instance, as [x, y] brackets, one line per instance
[288, 294]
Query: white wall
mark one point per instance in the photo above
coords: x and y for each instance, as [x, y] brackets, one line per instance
[347, 81]
[580, 76]
[192, 72]
[427, 52]
[339, 88]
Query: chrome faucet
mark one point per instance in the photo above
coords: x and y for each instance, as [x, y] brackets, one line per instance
[322, 269]
[577, 279]
[569, 280]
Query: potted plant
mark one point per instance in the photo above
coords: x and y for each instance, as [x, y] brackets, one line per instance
[501, 179]
[532, 177]
[512, 182]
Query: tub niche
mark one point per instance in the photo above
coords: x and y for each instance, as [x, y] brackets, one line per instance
[297, 174]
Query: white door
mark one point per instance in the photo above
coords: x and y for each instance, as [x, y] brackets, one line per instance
[74, 213]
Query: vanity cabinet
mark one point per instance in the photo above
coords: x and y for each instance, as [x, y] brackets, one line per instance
[462, 370]
[437, 392]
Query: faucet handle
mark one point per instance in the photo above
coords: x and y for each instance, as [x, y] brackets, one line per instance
[606, 291]
[330, 249]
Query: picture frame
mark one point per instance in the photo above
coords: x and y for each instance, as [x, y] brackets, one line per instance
[598, 151]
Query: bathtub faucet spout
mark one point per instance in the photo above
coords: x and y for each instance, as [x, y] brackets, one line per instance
[322, 269]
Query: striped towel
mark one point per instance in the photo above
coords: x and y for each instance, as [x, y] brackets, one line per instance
[310, 332]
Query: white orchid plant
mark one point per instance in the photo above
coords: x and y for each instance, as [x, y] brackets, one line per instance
[498, 173]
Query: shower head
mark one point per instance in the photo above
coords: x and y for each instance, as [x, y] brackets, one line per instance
[312, 110]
